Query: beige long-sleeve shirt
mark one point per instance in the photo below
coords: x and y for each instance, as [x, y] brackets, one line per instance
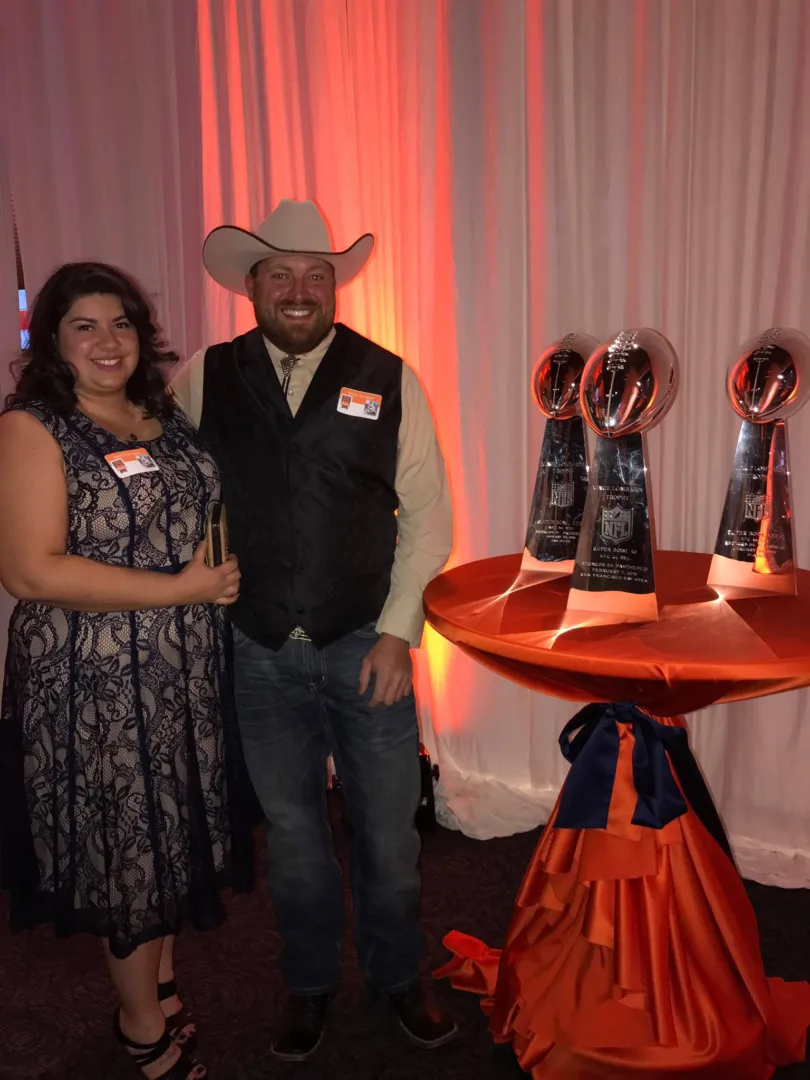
[425, 516]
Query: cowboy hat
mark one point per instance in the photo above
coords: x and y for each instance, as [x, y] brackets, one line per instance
[293, 228]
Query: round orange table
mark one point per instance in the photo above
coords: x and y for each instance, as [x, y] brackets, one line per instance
[633, 949]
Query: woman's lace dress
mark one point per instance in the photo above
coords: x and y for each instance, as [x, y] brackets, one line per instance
[124, 802]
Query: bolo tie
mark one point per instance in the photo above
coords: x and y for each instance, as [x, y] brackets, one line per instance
[287, 364]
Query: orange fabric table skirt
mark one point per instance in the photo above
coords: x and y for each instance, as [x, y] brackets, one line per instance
[633, 949]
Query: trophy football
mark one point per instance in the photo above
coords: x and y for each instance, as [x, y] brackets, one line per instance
[628, 385]
[754, 553]
[562, 473]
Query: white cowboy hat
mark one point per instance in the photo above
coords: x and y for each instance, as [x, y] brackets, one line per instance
[294, 228]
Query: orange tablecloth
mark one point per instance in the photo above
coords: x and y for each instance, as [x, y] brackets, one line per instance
[701, 651]
[633, 949]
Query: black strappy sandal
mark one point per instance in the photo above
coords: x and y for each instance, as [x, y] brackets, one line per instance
[148, 1053]
[180, 1024]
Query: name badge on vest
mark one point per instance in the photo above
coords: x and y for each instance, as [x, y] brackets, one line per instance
[131, 462]
[359, 403]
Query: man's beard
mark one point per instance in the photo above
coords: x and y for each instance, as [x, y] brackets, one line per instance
[295, 339]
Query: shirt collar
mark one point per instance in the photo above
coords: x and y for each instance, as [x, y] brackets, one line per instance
[308, 360]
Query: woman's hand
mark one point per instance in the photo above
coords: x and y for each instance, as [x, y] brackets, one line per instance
[203, 584]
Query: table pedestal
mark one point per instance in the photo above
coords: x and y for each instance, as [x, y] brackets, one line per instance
[633, 949]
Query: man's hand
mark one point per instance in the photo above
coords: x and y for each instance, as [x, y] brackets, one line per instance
[390, 662]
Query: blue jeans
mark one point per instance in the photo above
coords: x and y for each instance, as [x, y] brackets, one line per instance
[295, 706]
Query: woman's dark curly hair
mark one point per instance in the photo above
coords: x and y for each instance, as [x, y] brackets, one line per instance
[42, 374]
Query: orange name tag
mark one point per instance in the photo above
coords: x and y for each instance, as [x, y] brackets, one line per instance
[131, 462]
[359, 403]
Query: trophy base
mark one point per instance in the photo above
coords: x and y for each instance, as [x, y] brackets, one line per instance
[540, 570]
[754, 553]
[560, 491]
[611, 606]
[735, 580]
[614, 575]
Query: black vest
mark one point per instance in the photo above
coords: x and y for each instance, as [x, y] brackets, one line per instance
[311, 499]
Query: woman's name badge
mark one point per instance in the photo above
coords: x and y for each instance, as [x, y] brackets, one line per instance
[131, 462]
[359, 403]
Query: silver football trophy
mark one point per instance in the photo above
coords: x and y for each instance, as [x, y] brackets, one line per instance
[628, 385]
[769, 382]
[562, 473]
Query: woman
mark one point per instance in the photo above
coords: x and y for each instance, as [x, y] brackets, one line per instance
[124, 804]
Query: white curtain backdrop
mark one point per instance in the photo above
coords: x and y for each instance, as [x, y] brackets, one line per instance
[529, 168]
[102, 108]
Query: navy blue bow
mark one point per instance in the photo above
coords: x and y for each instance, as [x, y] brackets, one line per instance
[590, 741]
[594, 752]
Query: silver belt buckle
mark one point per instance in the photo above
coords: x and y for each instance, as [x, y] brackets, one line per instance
[300, 635]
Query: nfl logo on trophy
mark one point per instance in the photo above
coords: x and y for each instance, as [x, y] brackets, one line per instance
[562, 488]
[617, 524]
[755, 507]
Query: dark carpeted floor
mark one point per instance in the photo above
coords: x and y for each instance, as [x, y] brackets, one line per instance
[56, 1003]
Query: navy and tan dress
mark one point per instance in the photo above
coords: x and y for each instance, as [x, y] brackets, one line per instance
[124, 804]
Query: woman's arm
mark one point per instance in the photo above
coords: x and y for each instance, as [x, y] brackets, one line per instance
[33, 537]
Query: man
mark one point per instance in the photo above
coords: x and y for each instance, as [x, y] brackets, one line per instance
[339, 511]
